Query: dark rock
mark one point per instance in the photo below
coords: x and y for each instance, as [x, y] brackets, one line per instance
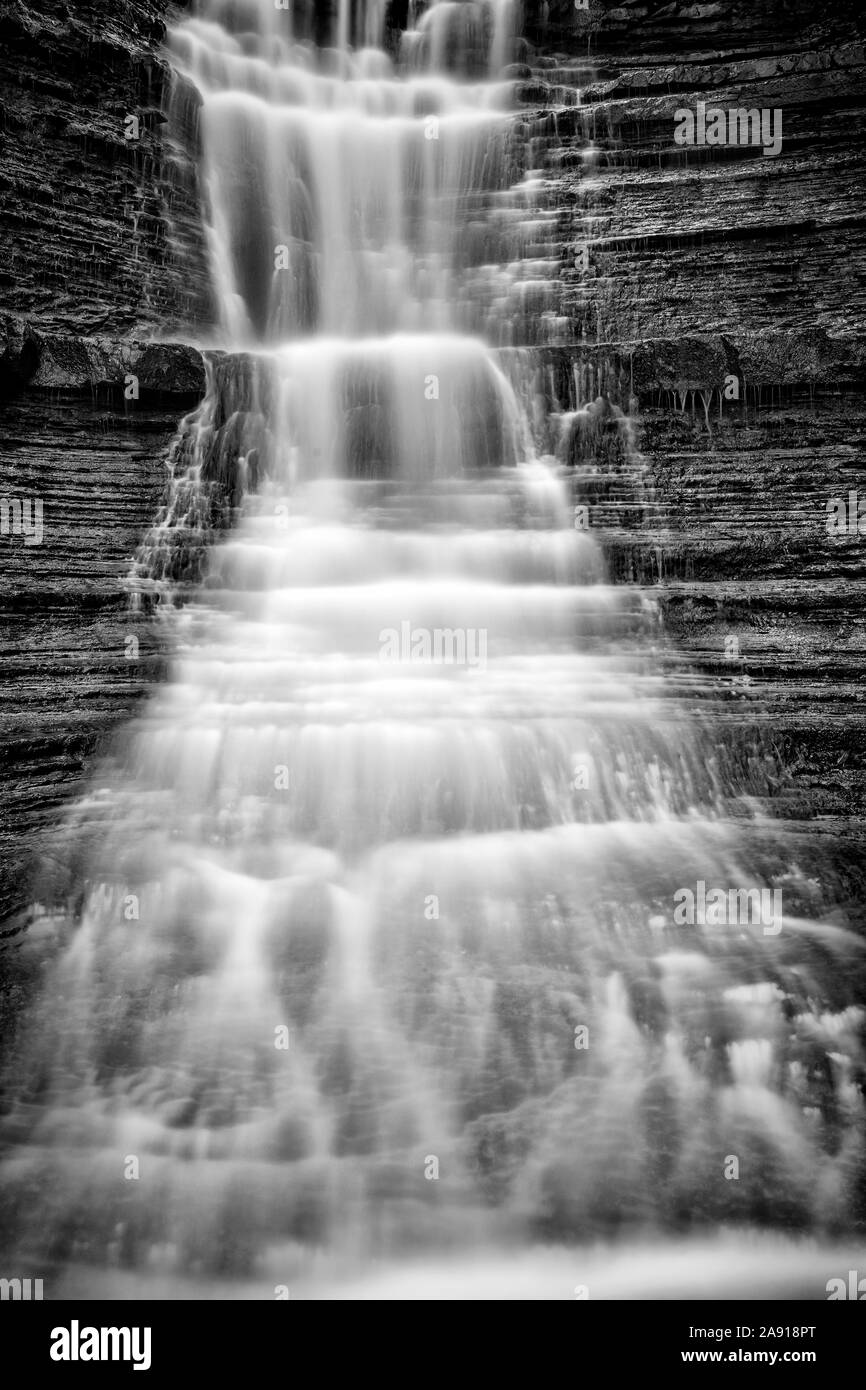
[65, 671]
[100, 233]
[69, 363]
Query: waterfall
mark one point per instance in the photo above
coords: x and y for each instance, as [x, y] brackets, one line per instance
[417, 917]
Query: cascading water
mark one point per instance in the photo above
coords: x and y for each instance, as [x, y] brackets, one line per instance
[377, 957]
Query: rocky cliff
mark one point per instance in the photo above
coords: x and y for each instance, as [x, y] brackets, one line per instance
[94, 199]
[100, 228]
[719, 265]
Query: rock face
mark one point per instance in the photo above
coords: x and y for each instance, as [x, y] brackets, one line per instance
[95, 214]
[722, 264]
[66, 677]
[95, 205]
[720, 304]
[80, 478]
[33, 360]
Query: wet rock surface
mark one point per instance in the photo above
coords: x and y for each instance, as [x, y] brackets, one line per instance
[73, 659]
[95, 203]
[40, 360]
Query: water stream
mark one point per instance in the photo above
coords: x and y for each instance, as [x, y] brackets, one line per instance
[379, 956]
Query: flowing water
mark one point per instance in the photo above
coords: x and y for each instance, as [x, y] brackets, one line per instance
[377, 957]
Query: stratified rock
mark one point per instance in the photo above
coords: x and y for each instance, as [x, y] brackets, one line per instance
[98, 216]
[68, 669]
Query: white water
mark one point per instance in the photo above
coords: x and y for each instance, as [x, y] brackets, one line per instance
[430, 872]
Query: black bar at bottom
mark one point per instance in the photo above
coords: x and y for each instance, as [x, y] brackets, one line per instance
[162, 1340]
